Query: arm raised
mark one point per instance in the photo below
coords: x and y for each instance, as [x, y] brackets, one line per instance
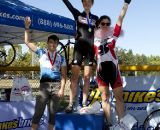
[31, 45]
[123, 12]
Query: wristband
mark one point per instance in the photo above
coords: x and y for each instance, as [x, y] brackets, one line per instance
[26, 28]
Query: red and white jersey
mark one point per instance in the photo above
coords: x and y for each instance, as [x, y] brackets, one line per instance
[104, 44]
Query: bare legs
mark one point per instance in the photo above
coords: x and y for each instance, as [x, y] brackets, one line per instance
[74, 82]
[118, 93]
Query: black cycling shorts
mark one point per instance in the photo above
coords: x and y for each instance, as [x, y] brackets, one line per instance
[107, 74]
[83, 52]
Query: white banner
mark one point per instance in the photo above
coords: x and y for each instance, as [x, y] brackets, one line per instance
[21, 90]
[141, 97]
[18, 116]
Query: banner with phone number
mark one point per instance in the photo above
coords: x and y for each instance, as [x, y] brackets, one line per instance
[13, 12]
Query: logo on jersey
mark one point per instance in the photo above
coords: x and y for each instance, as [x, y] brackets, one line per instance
[83, 20]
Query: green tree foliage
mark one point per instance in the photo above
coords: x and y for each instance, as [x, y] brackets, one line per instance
[2, 49]
[42, 45]
[128, 58]
[125, 57]
[22, 59]
[154, 60]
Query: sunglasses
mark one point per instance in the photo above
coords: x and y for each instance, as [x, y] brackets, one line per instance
[103, 24]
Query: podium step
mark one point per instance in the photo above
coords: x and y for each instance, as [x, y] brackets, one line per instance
[76, 121]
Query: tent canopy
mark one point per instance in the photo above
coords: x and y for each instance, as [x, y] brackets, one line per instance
[12, 14]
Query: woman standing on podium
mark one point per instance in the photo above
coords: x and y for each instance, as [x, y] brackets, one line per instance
[107, 63]
[83, 49]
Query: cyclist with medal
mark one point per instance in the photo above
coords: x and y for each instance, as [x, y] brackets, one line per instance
[83, 49]
[52, 79]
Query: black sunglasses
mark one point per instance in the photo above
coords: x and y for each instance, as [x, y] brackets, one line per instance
[103, 24]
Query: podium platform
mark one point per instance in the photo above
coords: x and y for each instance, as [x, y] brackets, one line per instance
[76, 121]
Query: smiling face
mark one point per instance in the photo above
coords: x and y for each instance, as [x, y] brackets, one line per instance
[104, 23]
[52, 45]
[87, 4]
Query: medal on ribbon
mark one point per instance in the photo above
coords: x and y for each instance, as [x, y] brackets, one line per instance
[52, 61]
[89, 21]
[89, 30]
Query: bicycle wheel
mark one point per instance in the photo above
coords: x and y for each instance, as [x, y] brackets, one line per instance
[152, 122]
[7, 54]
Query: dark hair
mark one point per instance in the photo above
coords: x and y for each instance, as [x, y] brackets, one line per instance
[53, 37]
[104, 17]
[92, 1]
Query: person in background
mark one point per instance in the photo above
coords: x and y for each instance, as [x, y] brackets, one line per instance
[83, 49]
[52, 79]
[107, 63]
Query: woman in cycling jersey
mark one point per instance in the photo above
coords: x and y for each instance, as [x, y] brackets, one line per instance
[107, 63]
[83, 49]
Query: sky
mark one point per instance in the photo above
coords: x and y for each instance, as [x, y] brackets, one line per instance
[141, 24]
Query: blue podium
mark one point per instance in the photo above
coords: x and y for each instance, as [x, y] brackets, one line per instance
[75, 121]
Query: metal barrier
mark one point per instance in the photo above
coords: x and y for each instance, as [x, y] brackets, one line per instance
[32, 73]
[122, 68]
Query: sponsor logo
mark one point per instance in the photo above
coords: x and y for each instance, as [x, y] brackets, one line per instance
[19, 91]
[13, 124]
[129, 96]
[18, 123]
[141, 96]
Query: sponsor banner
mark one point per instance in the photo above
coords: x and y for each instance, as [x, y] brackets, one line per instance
[21, 90]
[18, 116]
[141, 96]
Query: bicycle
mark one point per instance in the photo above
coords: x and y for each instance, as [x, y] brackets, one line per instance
[65, 50]
[7, 53]
[7, 59]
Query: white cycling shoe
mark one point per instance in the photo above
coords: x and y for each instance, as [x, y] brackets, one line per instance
[126, 123]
